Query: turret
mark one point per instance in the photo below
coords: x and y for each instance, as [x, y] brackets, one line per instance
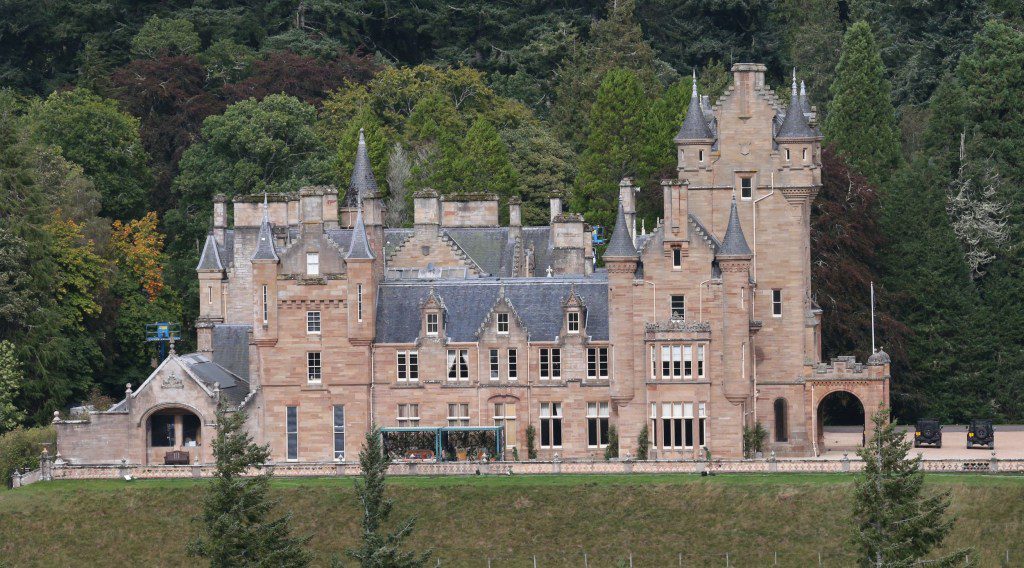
[694, 140]
[264, 278]
[362, 285]
[798, 141]
[211, 293]
[361, 188]
[621, 260]
[734, 257]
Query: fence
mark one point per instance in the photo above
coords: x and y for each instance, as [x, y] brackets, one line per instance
[61, 470]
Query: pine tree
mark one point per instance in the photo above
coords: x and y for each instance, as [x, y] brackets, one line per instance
[379, 549]
[615, 145]
[379, 139]
[236, 531]
[898, 523]
[861, 121]
[484, 164]
[10, 378]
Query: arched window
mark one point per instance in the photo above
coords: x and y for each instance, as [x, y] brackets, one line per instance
[781, 430]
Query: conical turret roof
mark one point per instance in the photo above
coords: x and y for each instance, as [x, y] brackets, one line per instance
[359, 247]
[694, 126]
[734, 243]
[210, 258]
[795, 124]
[362, 183]
[265, 241]
[621, 243]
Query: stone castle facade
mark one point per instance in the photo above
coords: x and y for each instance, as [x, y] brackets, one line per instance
[318, 321]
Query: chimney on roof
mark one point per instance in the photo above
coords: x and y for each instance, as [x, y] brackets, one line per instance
[220, 216]
[556, 205]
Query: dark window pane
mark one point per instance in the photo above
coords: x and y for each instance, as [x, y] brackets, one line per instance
[666, 432]
[689, 431]
[604, 431]
[545, 433]
[556, 432]
[700, 431]
[162, 430]
[189, 429]
[591, 432]
[677, 425]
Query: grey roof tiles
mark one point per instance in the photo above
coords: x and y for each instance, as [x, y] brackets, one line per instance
[795, 124]
[621, 243]
[734, 243]
[694, 127]
[359, 248]
[210, 258]
[362, 182]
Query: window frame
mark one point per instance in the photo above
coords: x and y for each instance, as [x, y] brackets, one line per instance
[495, 364]
[432, 320]
[597, 363]
[512, 364]
[777, 302]
[339, 455]
[458, 365]
[292, 433]
[677, 258]
[572, 322]
[506, 421]
[550, 364]
[598, 423]
[407, 366]
[746, 188]
[459, 419]
[312, 263]
[314, 321]
[412, 415]
[551, 423]
[680, 313]
[314, 368]
[502, 323]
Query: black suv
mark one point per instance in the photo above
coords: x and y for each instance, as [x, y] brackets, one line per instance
[928, 433]
[981, 433]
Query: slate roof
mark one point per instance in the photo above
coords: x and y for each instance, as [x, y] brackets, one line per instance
[538, 303]
[795, 124]
[621, 243]
[231, 348]
[210, 258]
[694, 127]
[734, 243]
[490, 248]
[232, 387]
[265, 240]
[879, 357]
[359, 248]
[362, 182]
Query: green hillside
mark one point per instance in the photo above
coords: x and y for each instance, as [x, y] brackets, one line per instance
[556, 518]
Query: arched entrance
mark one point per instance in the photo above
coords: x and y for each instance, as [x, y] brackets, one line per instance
[173, 436]
[840, 422]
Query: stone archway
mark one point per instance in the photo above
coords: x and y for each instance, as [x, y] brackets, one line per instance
[841, 422]
[175, 432]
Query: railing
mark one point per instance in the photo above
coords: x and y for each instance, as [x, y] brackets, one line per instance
[336, 469]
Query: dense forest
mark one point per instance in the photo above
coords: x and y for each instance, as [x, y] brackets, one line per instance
[120, 120]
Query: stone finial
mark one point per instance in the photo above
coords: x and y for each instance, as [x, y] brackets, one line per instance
[128, 389]
[56, 416]
[550, 271]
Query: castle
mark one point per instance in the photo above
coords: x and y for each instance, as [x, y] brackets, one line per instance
[318, 321]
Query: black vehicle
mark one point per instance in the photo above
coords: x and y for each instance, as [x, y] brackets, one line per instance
[928, 433]
[981, 434]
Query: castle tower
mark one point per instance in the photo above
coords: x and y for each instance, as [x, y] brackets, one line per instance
[264, 278]
[621, 260]
[211, 294]
[729, 409]
[695, 139]
[362, 285]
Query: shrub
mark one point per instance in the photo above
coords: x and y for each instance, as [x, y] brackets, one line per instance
[612, 451]
[753, 439]
[20, 448]
[643, 443]
[531, 438]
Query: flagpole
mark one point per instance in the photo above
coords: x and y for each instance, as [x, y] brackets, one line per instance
[872, 317]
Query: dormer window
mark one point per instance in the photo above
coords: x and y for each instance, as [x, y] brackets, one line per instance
[503, 324]
[312, 264]
[573, 322]
[432, 324]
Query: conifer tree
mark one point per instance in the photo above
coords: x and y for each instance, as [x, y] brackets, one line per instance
[236, 529]
[484, 163]
[380, 549]
[10, 379]
[861, 121]
[614, 147]
[379, 139]
[898, 523]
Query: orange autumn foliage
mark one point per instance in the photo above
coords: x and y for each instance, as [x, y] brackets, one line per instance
[139, 247]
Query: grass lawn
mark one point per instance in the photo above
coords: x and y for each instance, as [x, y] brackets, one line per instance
[511, 519]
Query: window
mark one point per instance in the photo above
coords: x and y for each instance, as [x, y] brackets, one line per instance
[162, 431]
[458, 364]
[672, 425]
[312, 322]
[359, 302]
[339, 432]
[190, 429]
[702, 416]
[458, 414]
[597, 424]
[209, 295]
[292, 432]
[503, 323]
[688, 425]
[432, 326]
[700, 155]
[513, 365]
[746, 187]
[573, 323]
[505, 416]
[654, 362]
[777, 303]
[805, 154]
[550, 364]
[408, 366]
[787, 154]
[551, 425]
[781, 433]
[678, 307]
[597, 363]
[266, 306]
[677, 258]
[313, 369]
[494, 364]
[700, 361]
[408, 415]
[654, 424]
[312, 264]
[687, 362]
